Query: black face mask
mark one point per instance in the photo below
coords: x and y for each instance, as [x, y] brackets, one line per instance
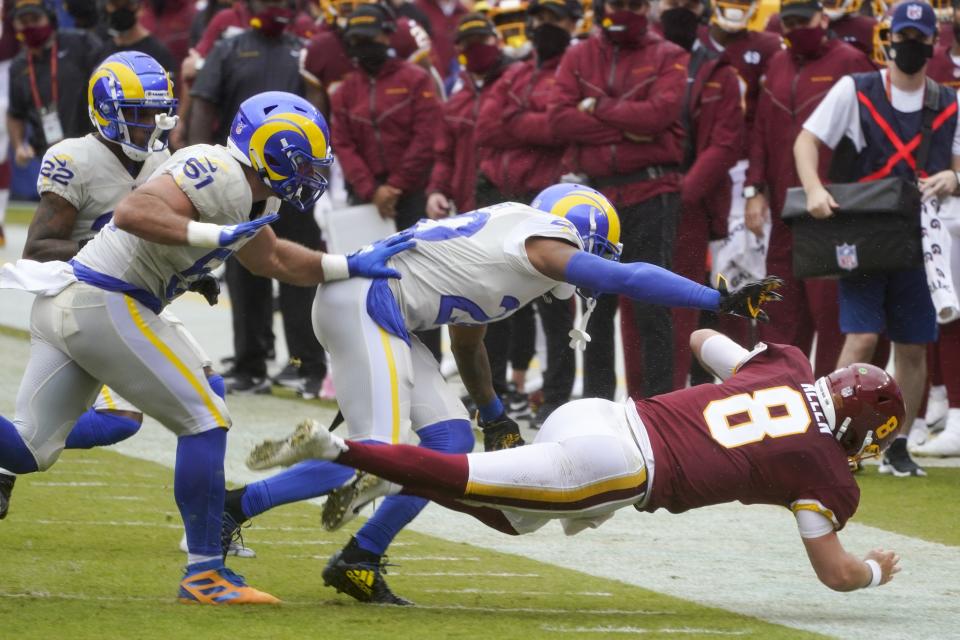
[550, 41]
[911, 55]
[122, 19]
[369, 54]
[680, 26]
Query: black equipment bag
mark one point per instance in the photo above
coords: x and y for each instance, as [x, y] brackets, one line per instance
[877, 226]
[876, 229]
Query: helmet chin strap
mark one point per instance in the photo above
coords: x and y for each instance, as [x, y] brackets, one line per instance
[578, 335]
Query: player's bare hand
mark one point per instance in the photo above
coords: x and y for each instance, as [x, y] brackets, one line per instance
[820, 203]
[385, 198]
[939, 185]
[889, 563]
[24, 154]
[748, 300]
[438, 206]
[757, 213]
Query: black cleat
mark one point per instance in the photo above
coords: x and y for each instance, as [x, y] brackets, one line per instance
[363, 579]
[6, 488]
[897, 461]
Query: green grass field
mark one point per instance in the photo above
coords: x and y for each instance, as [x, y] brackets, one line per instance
[90, 550]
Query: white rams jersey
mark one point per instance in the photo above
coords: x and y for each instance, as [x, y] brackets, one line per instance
[473, 268]
[215, 183]
[86, 173]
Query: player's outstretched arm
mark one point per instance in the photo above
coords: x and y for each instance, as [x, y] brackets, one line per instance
[843, 571]
[716, 352]
[289, 262]
[157, 211]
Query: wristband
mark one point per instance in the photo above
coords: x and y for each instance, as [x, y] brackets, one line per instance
[203, 234]
[876, 573]
[334, 267]
[491, 411]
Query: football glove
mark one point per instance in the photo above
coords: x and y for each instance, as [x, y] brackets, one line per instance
[748, 300]
[371, 262]
[208, 287]
[502, 433]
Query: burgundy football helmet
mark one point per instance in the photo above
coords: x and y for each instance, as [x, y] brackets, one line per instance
[868, 408]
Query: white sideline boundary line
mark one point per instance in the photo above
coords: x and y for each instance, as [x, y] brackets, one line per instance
[642, 630]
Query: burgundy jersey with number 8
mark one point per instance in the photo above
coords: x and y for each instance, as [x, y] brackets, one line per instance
[759, 438]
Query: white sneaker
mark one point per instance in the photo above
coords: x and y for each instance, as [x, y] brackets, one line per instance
[310, 440]
[237, 548]
[344, 504]
[947, 444]
[937, 407]
[919, 434]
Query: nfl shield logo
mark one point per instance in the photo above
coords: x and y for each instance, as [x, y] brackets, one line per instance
[914, 12]
[847, 257]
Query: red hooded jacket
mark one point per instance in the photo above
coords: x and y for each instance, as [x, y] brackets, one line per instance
[634, 124]
[443, 26]
[526, 153]
[383, 127]
[791, 91]
[943, 69]
[856, 29]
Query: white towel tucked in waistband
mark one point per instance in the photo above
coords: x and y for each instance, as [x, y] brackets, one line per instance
[936, 257]
[43, 278]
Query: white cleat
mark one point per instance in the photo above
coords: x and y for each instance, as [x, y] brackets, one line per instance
[344, 504]
[937, 407]
[919, 434]
[947, 444]
[310, 440]
[237, 548]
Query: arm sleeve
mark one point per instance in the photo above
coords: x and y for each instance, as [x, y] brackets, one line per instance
[358, 174]
[722, 355]
[570, 124]
[416, 160]
[659, 111]
[837, 115]
[639, 281]
[812, 524]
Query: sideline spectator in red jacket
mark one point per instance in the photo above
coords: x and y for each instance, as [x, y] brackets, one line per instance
[847, 24]
[526, 157]
[616, 101]
[797, 80]
[454, 176]
[713, 118]
[443, 15]
[325, 60]
[384, 119]
[170, 21]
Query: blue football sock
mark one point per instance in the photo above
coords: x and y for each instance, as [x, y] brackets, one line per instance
[14, 454]
[218, 385]
[396, 512]
[99, 429]
[308, 479]
[198, 487]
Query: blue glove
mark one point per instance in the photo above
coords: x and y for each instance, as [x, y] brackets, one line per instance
[371, 262]
[234, 232]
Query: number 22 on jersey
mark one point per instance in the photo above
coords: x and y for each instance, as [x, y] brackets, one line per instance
[746, 418]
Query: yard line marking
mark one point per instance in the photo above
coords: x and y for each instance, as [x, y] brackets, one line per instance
[642, 630]
[465, 574]
[100, 484]
[501, 592]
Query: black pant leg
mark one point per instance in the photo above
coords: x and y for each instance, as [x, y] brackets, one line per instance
[251, 301]
[495, 341]
[296, 303]
[557, 319]
[523, 338]
[599, 374]
[650, 229]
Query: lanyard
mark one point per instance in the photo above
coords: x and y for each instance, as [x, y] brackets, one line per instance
[53, 78]
[887, 84]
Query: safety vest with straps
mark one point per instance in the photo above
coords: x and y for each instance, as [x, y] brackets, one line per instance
[893, 138]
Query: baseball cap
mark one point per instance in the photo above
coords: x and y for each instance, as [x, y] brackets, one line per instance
[572, 9]
[369, 21]
[799, 8]
[474, 24]
[21, 7]
[917, 15]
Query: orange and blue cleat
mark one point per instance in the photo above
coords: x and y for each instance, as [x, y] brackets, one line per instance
[212, 583]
